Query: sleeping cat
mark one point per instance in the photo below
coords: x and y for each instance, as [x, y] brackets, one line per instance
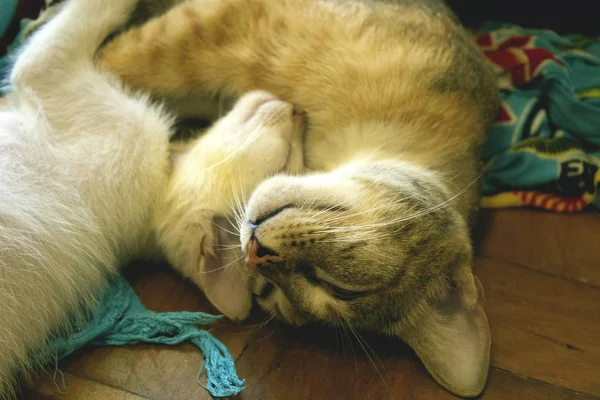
[375, 235]
[85, 183]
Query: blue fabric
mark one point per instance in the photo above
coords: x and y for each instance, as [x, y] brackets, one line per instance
[8, 8]
[544, 150]
[121, 319]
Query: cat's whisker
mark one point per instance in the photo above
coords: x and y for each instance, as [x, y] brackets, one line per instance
[228, 248]
[362, 344]
[387, 205]
[260, 327]
[329, 208]
[237, 219]
[336, 328]
[224, 266]
[255, 328]
[345, 216]
[232, 224]
[242, 203]
[235, 224]
[237, 212]
[226, 230]
[429, 210]
[360, 338]
[268, 319]
[346, 335]
[363, 228]
[240, 200]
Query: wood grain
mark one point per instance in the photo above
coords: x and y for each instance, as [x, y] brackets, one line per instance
[541, 278]
[565, 245]
[543, 326]
[503, 385]
[158, 372]
[79, 389]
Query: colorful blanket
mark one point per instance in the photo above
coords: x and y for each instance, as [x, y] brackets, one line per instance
[544, 148]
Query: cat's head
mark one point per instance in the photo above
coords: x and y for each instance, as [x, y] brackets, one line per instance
[370, 246]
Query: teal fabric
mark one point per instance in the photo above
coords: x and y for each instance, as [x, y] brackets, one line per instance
[544, 149]
[5, 61]
[121, 319]
[8, 8]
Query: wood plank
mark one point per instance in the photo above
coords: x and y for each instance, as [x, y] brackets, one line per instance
[563, 245]
[542, 326]
[318, 363]
[154, 371]
[307, 360]
[503, 385]
[77, 389]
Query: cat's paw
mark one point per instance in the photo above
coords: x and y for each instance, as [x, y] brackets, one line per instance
[263, 136]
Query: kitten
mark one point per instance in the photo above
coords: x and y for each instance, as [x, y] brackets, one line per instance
[85, 180]
[398, 99]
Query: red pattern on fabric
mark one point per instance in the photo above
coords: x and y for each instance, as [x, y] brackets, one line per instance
[516, 55]
[551, 202]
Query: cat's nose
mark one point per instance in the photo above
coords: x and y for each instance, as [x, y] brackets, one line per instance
[258, 256]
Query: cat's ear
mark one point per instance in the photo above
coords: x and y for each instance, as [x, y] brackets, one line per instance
[453, 341]
[223, 276]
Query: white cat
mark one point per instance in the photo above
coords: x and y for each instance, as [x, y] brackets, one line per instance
[84, 167]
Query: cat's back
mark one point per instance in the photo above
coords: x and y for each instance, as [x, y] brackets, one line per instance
[418, 43]
[375, 58]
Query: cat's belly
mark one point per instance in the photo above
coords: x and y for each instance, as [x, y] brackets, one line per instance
[326, 149]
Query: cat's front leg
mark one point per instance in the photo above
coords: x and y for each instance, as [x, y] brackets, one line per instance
[208, 47]
[191, 37]
[211, 178]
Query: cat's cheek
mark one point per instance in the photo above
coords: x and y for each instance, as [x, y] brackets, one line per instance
[280, 307]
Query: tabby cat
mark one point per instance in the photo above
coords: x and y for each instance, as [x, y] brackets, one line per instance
[84, 179]
[375, 233]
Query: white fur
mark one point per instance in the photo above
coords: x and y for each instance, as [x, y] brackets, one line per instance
[82, 165]
[84, 170]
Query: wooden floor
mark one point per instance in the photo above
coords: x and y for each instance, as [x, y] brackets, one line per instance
[541, 274]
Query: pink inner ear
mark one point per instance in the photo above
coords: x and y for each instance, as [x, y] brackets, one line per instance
[226, 289]
[453, 342]
[225, 281]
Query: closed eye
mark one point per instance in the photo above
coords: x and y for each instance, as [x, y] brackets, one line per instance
[343, 294]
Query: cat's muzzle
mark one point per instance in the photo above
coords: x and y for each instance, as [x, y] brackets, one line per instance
[258, 256]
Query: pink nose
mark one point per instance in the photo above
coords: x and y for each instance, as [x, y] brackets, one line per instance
[257, 256]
